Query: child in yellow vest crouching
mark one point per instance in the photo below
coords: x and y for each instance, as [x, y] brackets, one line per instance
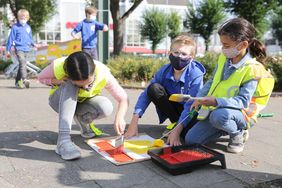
[239, 89]
[77, 83]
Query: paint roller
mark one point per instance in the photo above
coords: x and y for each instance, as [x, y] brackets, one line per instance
[182, 98]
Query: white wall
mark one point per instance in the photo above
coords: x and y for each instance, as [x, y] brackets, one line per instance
[70, 11]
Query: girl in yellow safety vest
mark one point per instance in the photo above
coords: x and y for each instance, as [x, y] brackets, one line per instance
[77, 83]
[239, 89]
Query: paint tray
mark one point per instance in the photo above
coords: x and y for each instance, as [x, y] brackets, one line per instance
[183, 159]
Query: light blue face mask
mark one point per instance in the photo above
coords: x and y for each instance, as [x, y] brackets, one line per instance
[23, 21]
[92, 18]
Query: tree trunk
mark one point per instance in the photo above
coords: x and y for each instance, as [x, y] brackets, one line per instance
[13, 7]
[117, 27]
[207, 45]
[118, 22]
[118, 37]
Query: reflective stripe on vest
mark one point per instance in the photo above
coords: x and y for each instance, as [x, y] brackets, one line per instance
[101, 73]
[230, 87]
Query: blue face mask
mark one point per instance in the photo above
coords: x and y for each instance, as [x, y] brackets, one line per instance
[179, 63]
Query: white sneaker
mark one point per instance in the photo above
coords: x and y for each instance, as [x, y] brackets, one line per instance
[67, 150]
[246, 135]
[26, 83]
[236, 143]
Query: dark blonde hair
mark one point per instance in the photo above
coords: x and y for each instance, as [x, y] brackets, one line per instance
[90, 10]
[185, 40]
[23, 12]
[239, 29]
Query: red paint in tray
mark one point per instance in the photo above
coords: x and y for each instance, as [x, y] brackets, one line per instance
[115, 153]
[183, 159]
[184, 156]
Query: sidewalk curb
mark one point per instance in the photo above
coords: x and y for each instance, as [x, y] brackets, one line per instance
[276, 94]
[132, 87]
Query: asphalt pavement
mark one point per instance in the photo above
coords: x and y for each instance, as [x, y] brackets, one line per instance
[28, 132]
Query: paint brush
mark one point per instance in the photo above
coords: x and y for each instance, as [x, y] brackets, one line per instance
[182, 98]
[118, 141]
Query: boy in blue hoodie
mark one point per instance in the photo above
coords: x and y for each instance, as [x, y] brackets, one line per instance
[183, 75]
[21, 39]
[88, 28]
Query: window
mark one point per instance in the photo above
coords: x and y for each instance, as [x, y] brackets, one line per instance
[133, 36]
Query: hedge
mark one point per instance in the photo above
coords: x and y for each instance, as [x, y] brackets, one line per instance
[132, 69]
[4, 64]
[136, 68]
[274, 64]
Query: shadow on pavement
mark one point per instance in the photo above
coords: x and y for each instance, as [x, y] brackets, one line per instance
[34, 151]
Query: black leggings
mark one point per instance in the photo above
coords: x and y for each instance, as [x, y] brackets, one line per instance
[158, 95]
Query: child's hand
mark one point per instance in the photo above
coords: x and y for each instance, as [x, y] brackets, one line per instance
[195, 105]
[58, 82]
[174, 137]
[35, 47]
[105, 28]
[208, 101]
[119, 125]
[133, 127]
[132, 131]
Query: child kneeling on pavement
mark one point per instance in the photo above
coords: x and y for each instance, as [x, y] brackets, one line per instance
[182, 75]
[239, 90]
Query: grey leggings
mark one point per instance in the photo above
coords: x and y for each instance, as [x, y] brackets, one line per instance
[64, 102]
[22, 71]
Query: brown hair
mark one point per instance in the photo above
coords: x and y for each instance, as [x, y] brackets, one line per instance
[239, 29]
[185, 40]
[90, 10]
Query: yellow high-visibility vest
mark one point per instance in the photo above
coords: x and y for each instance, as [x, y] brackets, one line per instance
[251, 70]
[101, 72]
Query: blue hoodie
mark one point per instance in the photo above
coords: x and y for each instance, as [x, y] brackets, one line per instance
[20, 37]
[190, 82]
[88, 31]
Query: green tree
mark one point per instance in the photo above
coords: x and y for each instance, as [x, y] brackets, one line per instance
[205, 18]
[173, 23]
[153, 26]
[277, 25]
[40, 10]
[254, 11]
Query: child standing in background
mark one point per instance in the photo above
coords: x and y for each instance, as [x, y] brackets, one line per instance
[88, 29]
[21, 39]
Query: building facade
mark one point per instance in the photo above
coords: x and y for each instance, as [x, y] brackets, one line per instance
[70, 12]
